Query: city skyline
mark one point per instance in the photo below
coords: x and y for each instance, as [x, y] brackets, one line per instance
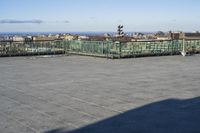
[98, 15]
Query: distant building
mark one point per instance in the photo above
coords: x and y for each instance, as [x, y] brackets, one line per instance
[138, 36]
[192, 36]
[68, 37]
[28, 38]
[187, 36]
[162, 36]
[107, 35]
[45, 38]
[4, 38]
[18, 39]
[176, 35]
[83, 37]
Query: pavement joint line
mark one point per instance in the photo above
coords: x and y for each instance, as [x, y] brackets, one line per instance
[94, 104]
[25, 105]
[41, 98]
[127, 89]
[117, 99]
[30, 107]
[81, 100]
[58, 105]
[90, 103]
[78, 99]
[21, 123]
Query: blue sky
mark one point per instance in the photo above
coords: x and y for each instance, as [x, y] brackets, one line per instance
[98, 15]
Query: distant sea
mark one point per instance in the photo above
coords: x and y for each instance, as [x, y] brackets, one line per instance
[54, 33]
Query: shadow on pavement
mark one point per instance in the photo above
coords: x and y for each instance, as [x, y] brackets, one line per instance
[168, 116]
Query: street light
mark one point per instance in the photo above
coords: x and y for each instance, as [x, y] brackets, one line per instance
[120, 31]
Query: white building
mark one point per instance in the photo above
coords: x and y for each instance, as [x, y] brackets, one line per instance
[18, 39]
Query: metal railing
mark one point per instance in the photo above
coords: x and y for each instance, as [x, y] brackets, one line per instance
[108, 49]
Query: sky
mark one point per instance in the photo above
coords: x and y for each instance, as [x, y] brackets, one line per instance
[99, 15]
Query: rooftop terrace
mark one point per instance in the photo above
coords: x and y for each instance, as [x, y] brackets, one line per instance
[79, 94]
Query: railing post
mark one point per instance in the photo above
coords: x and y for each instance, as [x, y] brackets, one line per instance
[120, 49]
[103, 48]
[10, 49]
[184, 51]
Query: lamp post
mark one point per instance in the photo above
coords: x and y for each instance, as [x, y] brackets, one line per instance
[120, 34]
[120, 31]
